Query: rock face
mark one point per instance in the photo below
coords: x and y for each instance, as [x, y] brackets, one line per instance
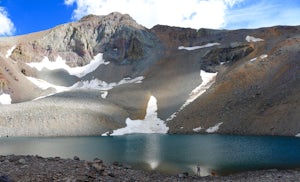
[118, 36]
[255, 90]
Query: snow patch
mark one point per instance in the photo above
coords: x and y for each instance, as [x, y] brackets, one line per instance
[104, 94]
[298, 135]
[197, 129]
[92, 84]
[9, 51]
[264, 56]
[214, 128]
[102, 85]
[5, 99]
[44, 85]
[254, 59]
[76, 71]
[207, 80]
[150, 124]
[253, 39]
[198, 47]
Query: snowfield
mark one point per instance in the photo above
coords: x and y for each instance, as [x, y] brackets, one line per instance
[76, 71]
[9, 51]
[198, 47]
[150, 124]
[208, 79]
[5, 99]
[79, 72]
[253, 39]
[92, 84]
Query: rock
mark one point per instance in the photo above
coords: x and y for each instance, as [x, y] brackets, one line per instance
[98, 161]
[76, 158]
[98, 167]
[111, 174]
[4, 178]
[127, 166]
[116, 164]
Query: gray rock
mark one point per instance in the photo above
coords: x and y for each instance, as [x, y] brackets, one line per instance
[76, 158]
[98, 167]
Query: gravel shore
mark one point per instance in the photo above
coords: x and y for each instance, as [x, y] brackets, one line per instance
[36, 168]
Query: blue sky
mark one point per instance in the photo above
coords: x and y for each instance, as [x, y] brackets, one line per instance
[19, 17]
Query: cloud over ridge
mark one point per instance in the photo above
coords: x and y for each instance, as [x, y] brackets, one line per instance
[189, 13]
[6, 25]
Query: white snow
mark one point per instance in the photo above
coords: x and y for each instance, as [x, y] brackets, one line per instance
[253, 39]
[104, 94]
[45, 85]
[298, 135]
[214, 128]
[5, 99]
[198, 47]
[150, 124]
[260, 57]
[263, 56]
[197, 129]
[102, 85]
[92, 84]
[9, 51]
[76, 71]
[207, 80]
[254, 59]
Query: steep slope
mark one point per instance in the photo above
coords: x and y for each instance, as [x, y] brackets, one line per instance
[108, 67]
[257, 87]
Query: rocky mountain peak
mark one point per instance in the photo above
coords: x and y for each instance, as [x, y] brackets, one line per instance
[114, 18]
[116, 35]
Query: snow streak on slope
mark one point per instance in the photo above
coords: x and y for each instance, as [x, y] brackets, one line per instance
[214, 128]
[197, 129]
[150, 124]
[253, 39]
[5, 99]
[8, 53]
[207, 80]
[102, 85]
[45, 85]
[259, 58]
[76, 71]
[80, 72]
[92, 84]
[198, 47]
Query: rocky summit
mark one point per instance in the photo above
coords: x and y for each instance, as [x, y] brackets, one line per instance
[106, 75]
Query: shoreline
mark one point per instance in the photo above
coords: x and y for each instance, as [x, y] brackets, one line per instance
[36, 168]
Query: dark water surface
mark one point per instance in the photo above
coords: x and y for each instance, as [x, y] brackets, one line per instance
[223, 154]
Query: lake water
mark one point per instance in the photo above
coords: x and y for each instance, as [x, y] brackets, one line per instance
[222, 154]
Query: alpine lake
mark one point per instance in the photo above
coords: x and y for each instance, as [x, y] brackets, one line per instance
[172, 154]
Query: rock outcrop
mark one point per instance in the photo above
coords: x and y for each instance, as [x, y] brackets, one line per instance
[256, 90]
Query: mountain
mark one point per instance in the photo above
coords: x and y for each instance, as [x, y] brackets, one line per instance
[110, 75]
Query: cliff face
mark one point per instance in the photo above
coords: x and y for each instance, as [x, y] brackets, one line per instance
[237, 82]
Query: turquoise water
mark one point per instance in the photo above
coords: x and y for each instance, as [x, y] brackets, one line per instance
[222, 154]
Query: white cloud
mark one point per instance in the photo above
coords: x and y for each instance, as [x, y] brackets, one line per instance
[6, 25]
[263, 13]
[188, 13]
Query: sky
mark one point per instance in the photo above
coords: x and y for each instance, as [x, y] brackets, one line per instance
[18, 17]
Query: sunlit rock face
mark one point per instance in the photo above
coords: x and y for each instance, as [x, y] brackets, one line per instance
[106, 74]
